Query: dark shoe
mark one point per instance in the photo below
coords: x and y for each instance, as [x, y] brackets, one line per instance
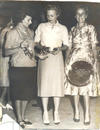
[76, 117]
[87, 120]
[35, 105]
[27, 122]
[46, 123]
[76, 120]
[21, 123]
[87, 123]
[57, 123]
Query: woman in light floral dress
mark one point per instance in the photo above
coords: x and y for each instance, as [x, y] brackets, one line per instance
[83, 39]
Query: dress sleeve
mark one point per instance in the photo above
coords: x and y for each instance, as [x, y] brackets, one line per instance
[93, 39]
[93, 36]
[71, 37]
[37, 34]
[65, 36]
[12, 39]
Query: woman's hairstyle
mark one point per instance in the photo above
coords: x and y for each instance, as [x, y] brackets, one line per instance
[21, 15]
[83, 8]
[54, 7]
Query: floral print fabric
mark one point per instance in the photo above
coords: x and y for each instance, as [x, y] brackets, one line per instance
[83, 47]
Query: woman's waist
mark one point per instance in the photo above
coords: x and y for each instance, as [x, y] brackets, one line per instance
[51, 46]
[23, 61]
[14, 64]
[82, 43]
[82, 47]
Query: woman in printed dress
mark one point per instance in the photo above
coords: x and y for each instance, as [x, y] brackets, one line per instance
[83, 39]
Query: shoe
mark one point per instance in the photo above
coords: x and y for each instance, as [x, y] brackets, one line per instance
[76, 117]
[9, 107]
[87, 123]
[76, 120]
[35, 105]
[46, 118]
[27, 122]
[56, 118]
[21, 123]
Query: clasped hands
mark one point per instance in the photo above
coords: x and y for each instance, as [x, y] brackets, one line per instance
[43, 52]
[55, 51]
[27, 48]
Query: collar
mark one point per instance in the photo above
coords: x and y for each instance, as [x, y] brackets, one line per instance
[85, 24]
[22, 27]
[50, 24]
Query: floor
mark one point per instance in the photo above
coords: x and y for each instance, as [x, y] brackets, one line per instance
[34, 114]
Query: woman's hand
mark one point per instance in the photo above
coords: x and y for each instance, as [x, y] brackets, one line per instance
[41, 57]
[24, 44]
[55, 51]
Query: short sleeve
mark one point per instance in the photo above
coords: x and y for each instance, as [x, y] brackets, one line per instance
[37, 34]
[2, 35]
[93, 35]
[65, 38]
[70, 36]
[11, 39]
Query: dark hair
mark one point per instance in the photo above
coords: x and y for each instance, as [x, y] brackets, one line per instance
[21, 14]
[54, 7]
[84, 8]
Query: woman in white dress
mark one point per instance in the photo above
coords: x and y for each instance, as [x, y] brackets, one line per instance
[83, 38]
[51, 34]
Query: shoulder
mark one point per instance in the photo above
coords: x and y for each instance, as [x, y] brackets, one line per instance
[91, 27]
[41, 25]
[62, 27]
[12, 33]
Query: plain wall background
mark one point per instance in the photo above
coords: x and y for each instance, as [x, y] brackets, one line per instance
[11, 9]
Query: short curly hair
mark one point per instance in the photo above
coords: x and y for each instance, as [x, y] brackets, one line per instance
[20, 15]
[54, 7]
[83, 8]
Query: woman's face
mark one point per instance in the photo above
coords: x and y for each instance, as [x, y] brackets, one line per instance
[52, 15]
[27, 21]
[81, 15]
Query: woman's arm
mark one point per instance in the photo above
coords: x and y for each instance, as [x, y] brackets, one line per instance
[11, 51]
[93, 39]
[68, 50]
[11, 45]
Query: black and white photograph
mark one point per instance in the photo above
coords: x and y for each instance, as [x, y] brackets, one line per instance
[49, 65]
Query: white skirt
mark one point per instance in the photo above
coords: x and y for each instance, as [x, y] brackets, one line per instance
[51, 76]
